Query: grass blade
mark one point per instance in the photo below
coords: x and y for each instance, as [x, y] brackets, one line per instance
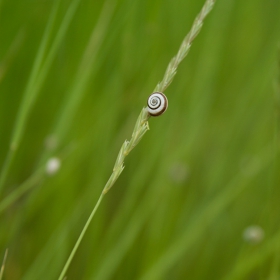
[29, 98]
[3, 264]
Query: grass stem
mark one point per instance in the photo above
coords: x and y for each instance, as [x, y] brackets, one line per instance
[142, 126]
[66, 266]
[3, 264]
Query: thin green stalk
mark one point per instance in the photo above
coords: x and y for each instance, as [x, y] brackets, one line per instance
[277, 101]
[80, 238]
[142, 126]
[18, 192]
[38, 176]
[3, 264]
[84, 71]
[130, 232]
[5, 168]
[29, 97]
[56, 44]
[11, 53]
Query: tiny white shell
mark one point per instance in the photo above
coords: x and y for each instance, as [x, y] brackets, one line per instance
[157, 104]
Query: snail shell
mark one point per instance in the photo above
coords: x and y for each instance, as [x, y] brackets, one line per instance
[157, 104]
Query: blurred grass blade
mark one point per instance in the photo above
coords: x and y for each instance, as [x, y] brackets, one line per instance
[21, 190]
[56, 44]
[40, 70]
[36, 178]
[3, 264]
[197, 226]
[29, 97]
[83, 73]
[87, 63]
[11, 53]
[120, 247]
[255, 259]
[85, 69]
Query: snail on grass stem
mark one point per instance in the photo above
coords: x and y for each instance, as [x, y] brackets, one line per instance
[157, 104]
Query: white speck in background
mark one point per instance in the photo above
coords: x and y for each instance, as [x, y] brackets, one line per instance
[253, 234]
[52, 166]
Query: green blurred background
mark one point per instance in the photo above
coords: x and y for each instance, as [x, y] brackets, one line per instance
[75, 74]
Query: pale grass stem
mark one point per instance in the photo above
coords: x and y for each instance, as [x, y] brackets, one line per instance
[142, 126]
[185, 47]
[3, 264]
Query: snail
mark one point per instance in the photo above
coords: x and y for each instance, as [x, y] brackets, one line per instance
[157, 104]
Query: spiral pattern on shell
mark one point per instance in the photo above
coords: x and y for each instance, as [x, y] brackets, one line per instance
[157, 104]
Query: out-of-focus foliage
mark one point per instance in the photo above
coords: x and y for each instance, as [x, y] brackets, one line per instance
[207, 170]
